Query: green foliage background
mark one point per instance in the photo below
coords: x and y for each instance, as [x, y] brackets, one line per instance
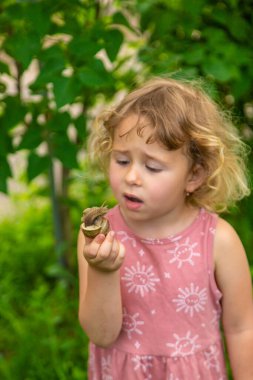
[63, 41]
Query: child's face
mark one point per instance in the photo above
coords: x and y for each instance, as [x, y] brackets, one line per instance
[148, 181]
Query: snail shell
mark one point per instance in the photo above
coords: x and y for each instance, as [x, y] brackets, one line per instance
[94, 222]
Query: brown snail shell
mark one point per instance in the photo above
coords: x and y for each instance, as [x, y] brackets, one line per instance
[94, 222]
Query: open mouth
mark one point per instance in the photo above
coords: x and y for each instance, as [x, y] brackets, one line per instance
[132, 198]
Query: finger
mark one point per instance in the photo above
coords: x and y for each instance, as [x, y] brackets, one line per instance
[107, 251]
[120, 257]
[114, 250]
[122, 251]
[100, 248]
[108, 263]
[121, 254]
[92, 246]
[106, 247]
[97, 239]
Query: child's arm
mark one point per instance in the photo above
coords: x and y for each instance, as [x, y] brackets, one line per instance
[100, 309]
[234, 281]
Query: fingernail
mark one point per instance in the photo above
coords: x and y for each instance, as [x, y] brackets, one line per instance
[100, 238]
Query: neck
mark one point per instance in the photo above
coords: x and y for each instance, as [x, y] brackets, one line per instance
[163, 226]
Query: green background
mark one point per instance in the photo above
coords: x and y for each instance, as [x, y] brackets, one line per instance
[60, 63]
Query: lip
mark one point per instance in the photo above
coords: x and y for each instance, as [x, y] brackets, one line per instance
[132, 202]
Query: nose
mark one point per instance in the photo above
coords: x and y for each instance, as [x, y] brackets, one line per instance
[133, 175]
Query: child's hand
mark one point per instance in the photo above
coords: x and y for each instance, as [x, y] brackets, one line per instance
[104, 253]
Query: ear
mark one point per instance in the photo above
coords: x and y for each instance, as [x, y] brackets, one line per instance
[195, 178]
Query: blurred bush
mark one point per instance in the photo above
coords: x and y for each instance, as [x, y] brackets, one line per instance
[40, 334]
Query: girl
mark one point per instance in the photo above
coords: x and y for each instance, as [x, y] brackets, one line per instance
[153, 291]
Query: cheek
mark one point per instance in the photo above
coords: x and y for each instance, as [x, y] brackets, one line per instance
[163, 188]
[113, 177]
[157, 192]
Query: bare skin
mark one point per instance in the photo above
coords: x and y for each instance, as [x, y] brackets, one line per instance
[234, 280]
[99, 296]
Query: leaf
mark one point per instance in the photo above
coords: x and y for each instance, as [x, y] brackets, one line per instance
[65, 90]
[35, 16]
[120, 19]
[52, 63]
[95, 75]
[81, 127]
[32, 138]
[61, 147]
[37, 165]
[113, 40]
[216, 39]
[219, 69]
[195, 55]
[23, 48]
[64, 150]
[3, 88]
[10, 118]
[237, 26]
[4, 68]
[58, 122]
[241, 87]
[83, 48]
[5, 172]
[89, 77]
[5, 142]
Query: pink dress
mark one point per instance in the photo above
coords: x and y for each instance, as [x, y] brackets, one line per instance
[171, 308]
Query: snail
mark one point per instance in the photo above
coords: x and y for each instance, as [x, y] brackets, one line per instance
[94, 222]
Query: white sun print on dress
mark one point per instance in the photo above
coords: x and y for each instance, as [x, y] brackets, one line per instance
[172, 377]
[183, 253]
[185, 345]
[140, 279]
[191, 299]
[126, 237]
[130, 324]
[141, 252]
[211, 358]
[106, 368]
[142, 363]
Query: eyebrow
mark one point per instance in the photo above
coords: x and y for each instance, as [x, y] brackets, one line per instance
[120, 151]
[148, 156]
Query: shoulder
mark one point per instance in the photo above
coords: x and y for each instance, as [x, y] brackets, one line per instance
[225, 236]
[229, 254]
[226, 242]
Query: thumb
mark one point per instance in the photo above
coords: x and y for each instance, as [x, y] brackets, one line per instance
[97, 239]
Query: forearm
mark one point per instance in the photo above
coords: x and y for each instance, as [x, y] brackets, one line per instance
[100, 310]
[240, 349]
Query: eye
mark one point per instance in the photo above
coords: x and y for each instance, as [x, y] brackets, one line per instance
[120, 158]
[153, 169]
[122, 162]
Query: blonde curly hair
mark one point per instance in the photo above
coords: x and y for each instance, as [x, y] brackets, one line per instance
[183, 115]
